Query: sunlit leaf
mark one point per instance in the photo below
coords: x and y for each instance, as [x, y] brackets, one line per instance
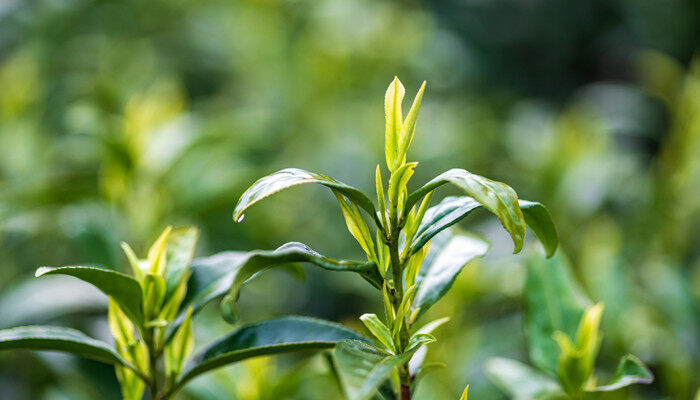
[408, 127]
[631, 370]
[179, 254]
[522, 382]
[443, 271]
[379, 330]
[394, 119]
[291, 177]
[54, 338]
[124, 289]
[496, 197]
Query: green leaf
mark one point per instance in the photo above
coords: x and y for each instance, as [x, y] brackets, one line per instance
[631, 370]
[496, 197]
[393, 116]
[522, 382]
[291, 177]
[553, 302]
[268, 337]
[538, 219]
[432, 325]
[179, 348]
[363, 368]
[181, 245]
[357, 227]
[257, 261]
[454, 208]
[441, 216]
[379, 330]
[417, 340]
[124, 289]
[439, 276]
[408, 127]
[54, 338]
[398, 181]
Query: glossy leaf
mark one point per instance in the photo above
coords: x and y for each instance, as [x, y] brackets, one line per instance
[443, 271]
[441, 216]
[496, 197]
[408, 127]
[521, 382]
[180, 248]
[54, 338]
[393, 121]
[538, 219]
[363, 368]
[257, 261]
[553, 302]
[398, 181]
[124, 289]
[268, 337]
[424, 370]
[291, 177]
[631, 370]
[379, 330]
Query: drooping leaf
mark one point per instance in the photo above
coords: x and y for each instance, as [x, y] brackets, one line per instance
[538, 219]
[291, 177]
[363, 368]
[55, 338]
[521, 382]
[553, 302]
[437, 279]
[268, 337]
[631, 370]
[124, 289]
[496, 197]
[179, 254]
[257, 261]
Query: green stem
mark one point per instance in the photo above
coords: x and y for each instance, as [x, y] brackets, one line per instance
[397, 274]
[153, 362]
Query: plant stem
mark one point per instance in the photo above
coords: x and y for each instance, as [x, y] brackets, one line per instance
[397, 274]
[153, 362]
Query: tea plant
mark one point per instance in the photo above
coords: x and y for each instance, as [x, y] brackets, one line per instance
[562, 329]
[150, 316]
[412, 256]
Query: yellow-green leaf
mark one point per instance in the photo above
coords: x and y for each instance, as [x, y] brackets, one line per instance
[394, 116]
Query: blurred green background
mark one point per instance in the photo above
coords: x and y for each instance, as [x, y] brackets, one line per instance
[119, 117]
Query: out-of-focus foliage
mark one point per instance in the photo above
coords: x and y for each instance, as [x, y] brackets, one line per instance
[120, 117]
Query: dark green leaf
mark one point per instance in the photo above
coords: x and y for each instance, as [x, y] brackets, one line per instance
[182, 242]
[553, 302]
[124, 289]
[454, 208]
[54, 338]
[291, 177]
[363, 368]
[631, 370]
[269, 337]
[441, 216]
[496, 197]
[257, 261]
[538, 219]
[437, 279]
[522, 382]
